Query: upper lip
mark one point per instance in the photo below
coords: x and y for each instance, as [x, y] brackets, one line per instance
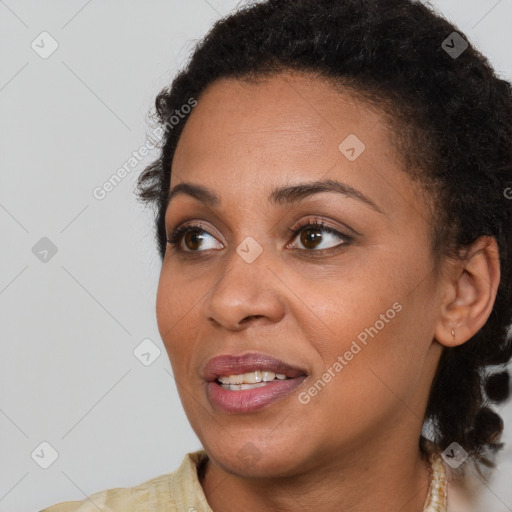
[229, 364]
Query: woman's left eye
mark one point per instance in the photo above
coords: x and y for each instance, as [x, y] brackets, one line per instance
[311, 236]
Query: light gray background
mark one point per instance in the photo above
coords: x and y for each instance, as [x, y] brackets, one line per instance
[69, 326]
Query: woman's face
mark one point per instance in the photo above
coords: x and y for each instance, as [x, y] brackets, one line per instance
[355, 311]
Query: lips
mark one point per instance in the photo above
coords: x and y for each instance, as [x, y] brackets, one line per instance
[251, 400]
[229, 364]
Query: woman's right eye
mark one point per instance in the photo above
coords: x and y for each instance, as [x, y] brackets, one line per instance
[192, 235]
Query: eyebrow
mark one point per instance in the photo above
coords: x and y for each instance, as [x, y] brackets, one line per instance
[280, 196]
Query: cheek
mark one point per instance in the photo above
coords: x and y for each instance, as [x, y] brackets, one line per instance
[176, 317]
[371, 332]
[165, 304]
[176, 298]
[364, 375]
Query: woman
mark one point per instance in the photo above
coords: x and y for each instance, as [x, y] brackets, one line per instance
[334, 221]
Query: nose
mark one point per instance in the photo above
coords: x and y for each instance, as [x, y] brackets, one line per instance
[244, 293]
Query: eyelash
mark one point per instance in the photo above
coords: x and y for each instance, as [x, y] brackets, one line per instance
[174, 239]
[321, 226]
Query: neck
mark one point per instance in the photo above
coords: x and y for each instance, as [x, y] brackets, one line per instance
[393, 479]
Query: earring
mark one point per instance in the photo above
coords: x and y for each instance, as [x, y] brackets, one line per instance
[453, 333]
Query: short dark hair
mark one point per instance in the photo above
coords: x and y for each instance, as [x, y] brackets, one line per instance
[451, 119]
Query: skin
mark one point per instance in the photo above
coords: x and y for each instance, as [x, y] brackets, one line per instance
[354, 446]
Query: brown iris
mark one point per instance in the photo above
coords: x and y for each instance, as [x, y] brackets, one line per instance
[311, 235]
[194, 237]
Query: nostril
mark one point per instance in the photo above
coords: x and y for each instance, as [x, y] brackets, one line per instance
[247, 318]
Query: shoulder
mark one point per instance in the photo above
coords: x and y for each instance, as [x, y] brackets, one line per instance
[161, 493]
[153, 492]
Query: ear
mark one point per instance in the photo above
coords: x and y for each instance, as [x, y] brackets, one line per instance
[471, 284]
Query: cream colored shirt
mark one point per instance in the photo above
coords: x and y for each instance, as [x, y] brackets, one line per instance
[179, 491]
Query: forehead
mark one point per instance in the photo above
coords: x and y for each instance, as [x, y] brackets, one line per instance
[288, 110]
[284, 128]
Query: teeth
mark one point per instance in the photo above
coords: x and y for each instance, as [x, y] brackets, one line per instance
[268, 376]
[251, 377]
[241, 387]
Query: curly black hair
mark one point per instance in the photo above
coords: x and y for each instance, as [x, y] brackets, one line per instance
[451, 119]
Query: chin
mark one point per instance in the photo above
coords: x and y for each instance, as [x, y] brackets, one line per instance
[251, 457]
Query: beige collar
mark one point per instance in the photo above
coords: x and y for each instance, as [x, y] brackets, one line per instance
[437, 494]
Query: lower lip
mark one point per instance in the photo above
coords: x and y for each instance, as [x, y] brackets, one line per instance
[249, 400]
